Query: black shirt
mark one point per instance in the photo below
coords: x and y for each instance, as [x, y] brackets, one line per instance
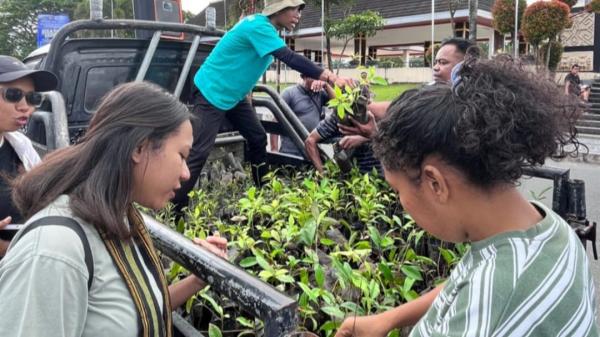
[10, 165]
[575, 82]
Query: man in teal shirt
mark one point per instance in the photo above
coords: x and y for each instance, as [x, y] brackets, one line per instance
[229, 74]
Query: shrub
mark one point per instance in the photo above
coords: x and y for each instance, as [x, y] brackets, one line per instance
[544, 20]
[556, 52]
[503, 13]
[569, 3]
[593, 6]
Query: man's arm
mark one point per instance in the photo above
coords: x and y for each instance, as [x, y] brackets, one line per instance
[380, 325]
[307, 67]
[312, 149]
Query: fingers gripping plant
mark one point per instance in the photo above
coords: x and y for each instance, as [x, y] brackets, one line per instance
[353, 101]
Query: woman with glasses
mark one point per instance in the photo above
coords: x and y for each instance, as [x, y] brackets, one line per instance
[84, 264]
[20, 89]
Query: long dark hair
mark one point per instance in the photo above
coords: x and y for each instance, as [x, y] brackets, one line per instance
[97, 172]
[495, 121]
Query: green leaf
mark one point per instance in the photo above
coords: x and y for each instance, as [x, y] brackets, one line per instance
[329, 326]
[374, 289]
[394, 333]
[448, 255]
[375, 236]
[348, 108]
[338, 91]
[341, 112]
[412, 271]
[248, 262]
[213, 303]
[333, 103]
[319, 276]
[379, 80]
[409, 282]
[214, 331]
[308, 232]
[245, 322]
[386, 272]
[265, 275]
[285, 278]
[333, 311]
[260, 259]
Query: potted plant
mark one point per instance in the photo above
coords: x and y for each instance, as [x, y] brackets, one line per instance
[352, 102]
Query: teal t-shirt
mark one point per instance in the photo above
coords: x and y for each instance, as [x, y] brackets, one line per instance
[238, 61]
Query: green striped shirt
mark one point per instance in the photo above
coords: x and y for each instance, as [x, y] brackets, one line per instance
[531, 283]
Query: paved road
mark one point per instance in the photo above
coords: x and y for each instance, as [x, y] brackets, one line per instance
[590, 174]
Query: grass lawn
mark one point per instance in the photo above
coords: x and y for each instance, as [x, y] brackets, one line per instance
[389, 92]
[382, 92]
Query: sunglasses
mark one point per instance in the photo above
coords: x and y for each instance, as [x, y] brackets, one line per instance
[15, 95]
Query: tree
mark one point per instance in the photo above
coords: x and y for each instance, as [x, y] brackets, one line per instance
[366, 23]
[556, 51]
[569, 3]
[593, 6]
[18, 27]
[544, 20]
[503, 14]
[345, 4]
[473, 6]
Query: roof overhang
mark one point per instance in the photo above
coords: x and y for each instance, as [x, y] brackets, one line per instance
[483, 17]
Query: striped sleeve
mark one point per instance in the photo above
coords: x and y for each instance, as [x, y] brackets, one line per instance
[533, 283]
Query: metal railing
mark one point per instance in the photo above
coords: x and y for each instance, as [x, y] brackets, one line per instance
[278, 311]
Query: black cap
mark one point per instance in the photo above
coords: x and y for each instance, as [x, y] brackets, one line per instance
[12, 69]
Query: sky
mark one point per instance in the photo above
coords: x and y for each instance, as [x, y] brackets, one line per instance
[194, 6]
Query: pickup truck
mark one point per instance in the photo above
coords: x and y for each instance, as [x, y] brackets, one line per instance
[87, 68]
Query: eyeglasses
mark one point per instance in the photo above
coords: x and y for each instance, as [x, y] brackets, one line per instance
[15, 95]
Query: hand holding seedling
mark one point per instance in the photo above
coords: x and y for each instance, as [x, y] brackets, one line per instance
[317, 86]
[367, 130]
[350, 142]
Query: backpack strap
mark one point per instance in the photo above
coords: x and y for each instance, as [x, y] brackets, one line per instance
[76, 227]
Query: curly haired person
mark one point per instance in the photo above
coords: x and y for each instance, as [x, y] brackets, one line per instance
[454, 155]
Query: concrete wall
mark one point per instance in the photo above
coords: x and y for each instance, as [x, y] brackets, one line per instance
[393, 75]
[404, 75]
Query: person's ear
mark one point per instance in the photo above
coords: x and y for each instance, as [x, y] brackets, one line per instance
[139, 152]
[435, 182]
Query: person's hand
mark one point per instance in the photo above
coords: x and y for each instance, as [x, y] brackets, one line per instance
[317, 85]
[367, 130]
[3, 243]
[215, 244]
[342, 82]
[349, 142]
[365, 326]
[5, 222]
